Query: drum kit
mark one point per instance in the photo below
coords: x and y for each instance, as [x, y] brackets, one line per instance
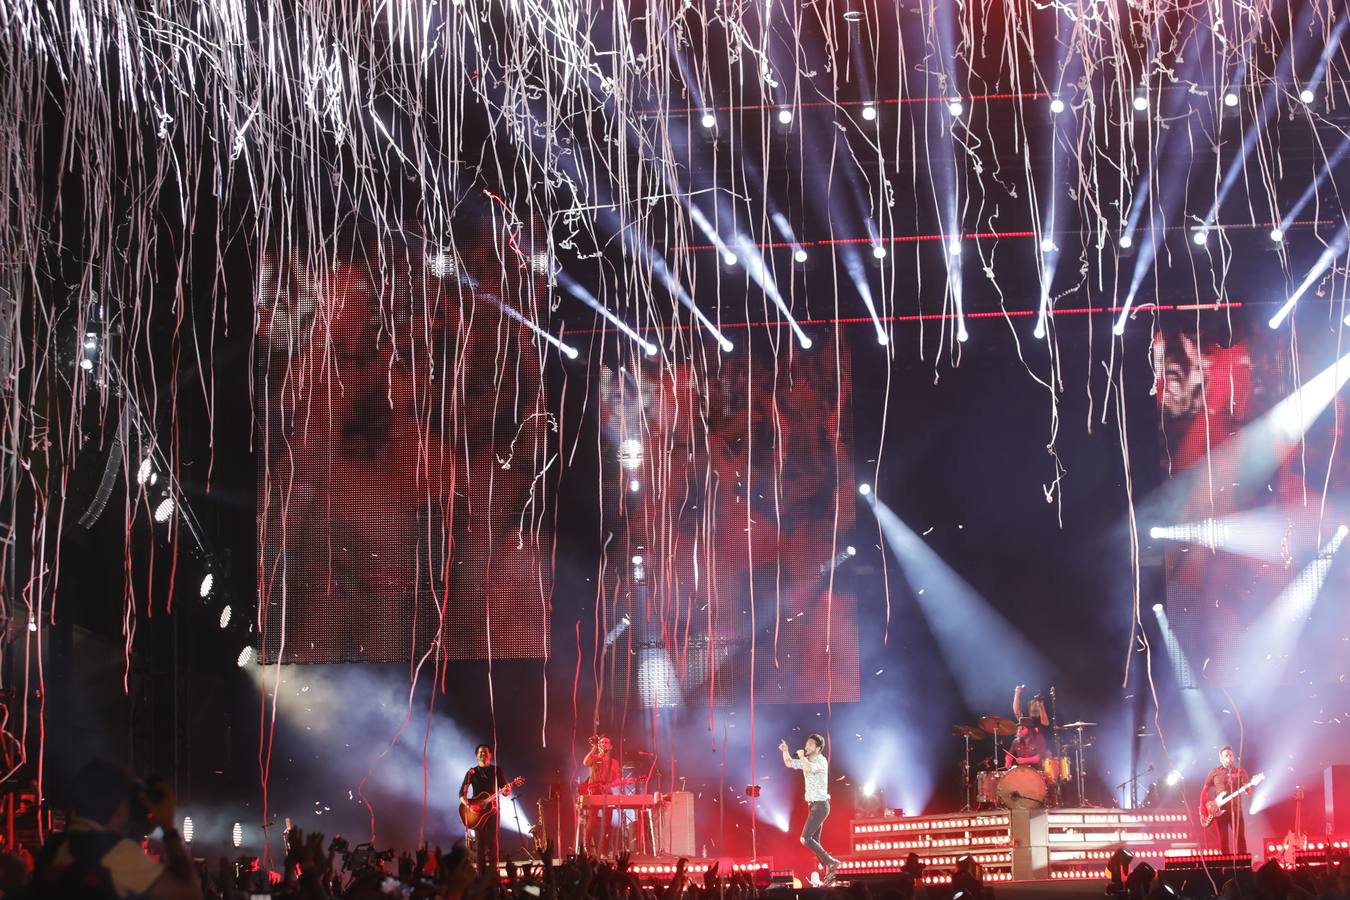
[1021, 787]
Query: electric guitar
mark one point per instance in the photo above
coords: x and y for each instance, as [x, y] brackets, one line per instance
[1295, 840]
[473, 809]
[1215, 808]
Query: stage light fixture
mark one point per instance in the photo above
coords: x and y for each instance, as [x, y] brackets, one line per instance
[785, 117]
[709, 121]
[143, 471]
[1140, 102]
[1140, 880]
[961, 334]
[1057, 106]
[956, 107]
[630, 453]
[570, 352]
[187, 829]
[237, 835]
[1276, 235]
[1230, 100]
[727, 346]
[883, 340]
[865, 489]
[1157, 608]
[878, 251]
[650, 349]
[869, 112]
[637, 559]
[805, 342]
[1306, 96]
[799, 255]
[1173, 778]
[164, 510]
[32, 625]
[634, 485]
[851, 550]
[1156, 532]
[954, 247]
[441, 264]
[1200, 237]
[1039, 331]
[86, 364]
[728, 257]
[208, 582]
[1126, 242]
[245, 658]
[1048, 246]
[225, 617]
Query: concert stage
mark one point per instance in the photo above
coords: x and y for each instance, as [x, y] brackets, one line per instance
[1017, 845]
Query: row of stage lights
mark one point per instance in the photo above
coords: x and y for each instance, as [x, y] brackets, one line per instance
[147, 478]
[956, 106]
[188, 830]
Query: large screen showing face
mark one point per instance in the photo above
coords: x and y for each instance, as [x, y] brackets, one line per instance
[728, 492]
[405, 438]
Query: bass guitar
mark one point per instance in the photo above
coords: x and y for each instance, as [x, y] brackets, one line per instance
[1215, 808]
[473, 809]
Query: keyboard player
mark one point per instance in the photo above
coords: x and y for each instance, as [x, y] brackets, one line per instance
[603, 773]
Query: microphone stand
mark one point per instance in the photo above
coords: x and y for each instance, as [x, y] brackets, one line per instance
[1130, 783]
[1059, 747]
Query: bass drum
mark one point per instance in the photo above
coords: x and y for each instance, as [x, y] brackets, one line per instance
[1023, 787]
[986, 786]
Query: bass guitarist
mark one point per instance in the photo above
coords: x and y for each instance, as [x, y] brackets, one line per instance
[485, 778]
[1223, 780]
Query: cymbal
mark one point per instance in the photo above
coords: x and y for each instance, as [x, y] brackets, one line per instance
[1068, 725]
[974, 734]
[998, 725]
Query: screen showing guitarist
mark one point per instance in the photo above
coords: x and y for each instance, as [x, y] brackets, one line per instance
[481, 785]
[1223, 780]
[603, 773]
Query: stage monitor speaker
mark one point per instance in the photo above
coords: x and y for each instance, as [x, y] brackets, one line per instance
[677, 825]
[1336, 791]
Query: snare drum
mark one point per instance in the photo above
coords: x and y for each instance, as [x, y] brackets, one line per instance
[1022, 787]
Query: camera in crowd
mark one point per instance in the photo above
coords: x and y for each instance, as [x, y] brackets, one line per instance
[361, 857]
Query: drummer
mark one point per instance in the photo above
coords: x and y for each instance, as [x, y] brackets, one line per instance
[1036, 709]
[1028, 749]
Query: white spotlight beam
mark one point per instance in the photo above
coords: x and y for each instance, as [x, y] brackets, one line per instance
[747, 254]
[1204, 725]
[662, 271]
[1271, 640]
[1324, 262]
[566, 349]
[1255, 533]
[964, 624]
[858, 272]
[576, 290]
[1311, 190]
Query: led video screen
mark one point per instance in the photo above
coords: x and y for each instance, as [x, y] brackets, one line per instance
[729, 492]
[404, 444]
[1252, 436]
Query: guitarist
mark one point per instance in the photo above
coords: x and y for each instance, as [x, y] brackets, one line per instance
[1225, 778]
[485, 778]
